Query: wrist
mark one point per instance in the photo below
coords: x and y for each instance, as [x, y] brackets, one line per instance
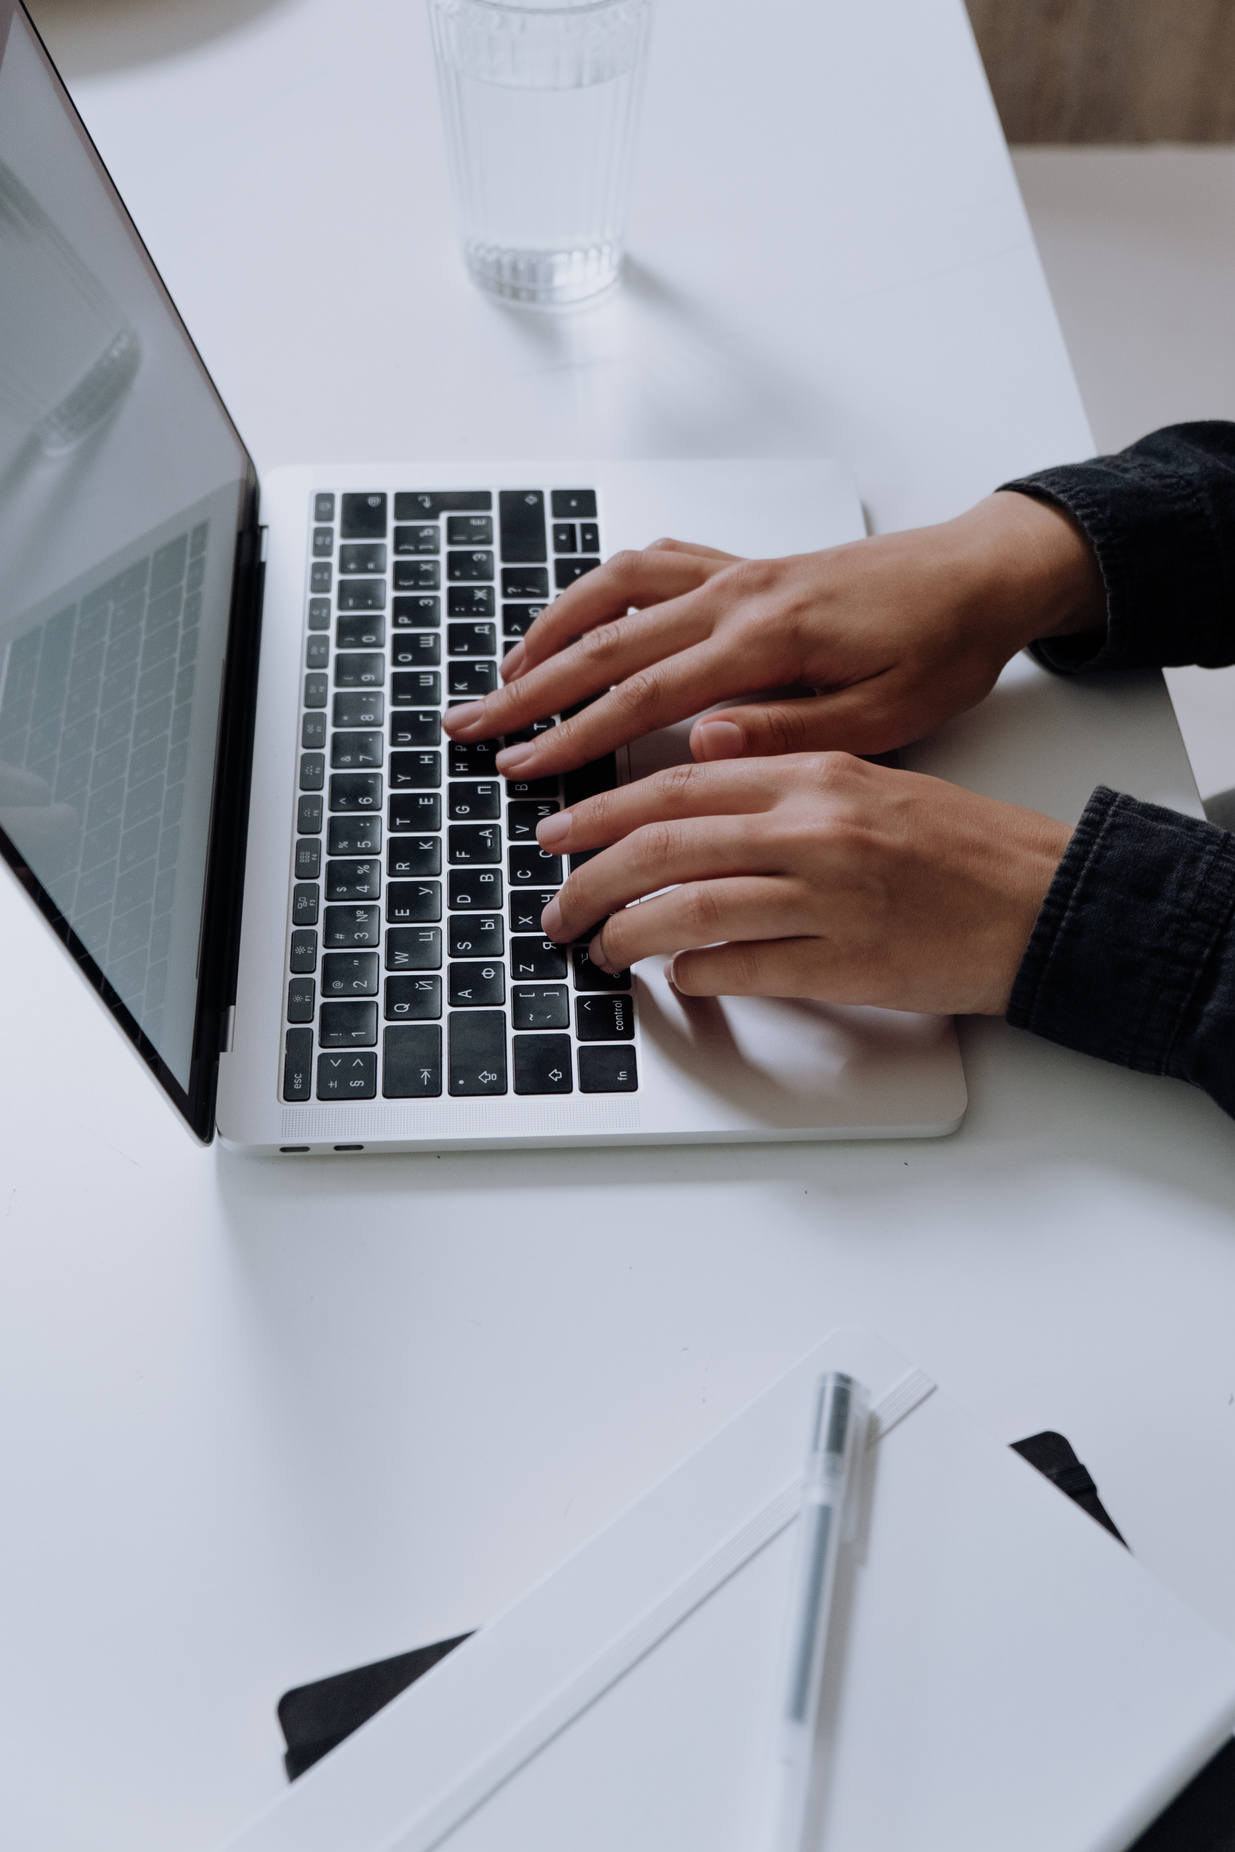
[1032, 570]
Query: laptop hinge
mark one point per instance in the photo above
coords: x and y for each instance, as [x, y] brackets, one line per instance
[228, 1037]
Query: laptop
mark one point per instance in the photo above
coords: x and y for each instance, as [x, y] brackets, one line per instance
[223, 778]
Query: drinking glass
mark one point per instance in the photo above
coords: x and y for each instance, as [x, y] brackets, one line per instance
[540, 102]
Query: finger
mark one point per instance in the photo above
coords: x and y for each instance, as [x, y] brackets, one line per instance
[735, 788]
[594, 662]
[641, 579]
[866, 716]
[31, 827]
[696, 914]
[18, 786]
[802, 967]
[692, 546]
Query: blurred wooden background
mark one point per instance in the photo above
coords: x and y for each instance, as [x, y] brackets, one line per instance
[1113, 71]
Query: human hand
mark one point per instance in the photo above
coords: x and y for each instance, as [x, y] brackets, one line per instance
[813, 875]
[27, 814]
[892, 635]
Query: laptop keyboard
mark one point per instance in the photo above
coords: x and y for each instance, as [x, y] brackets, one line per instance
[416, 965]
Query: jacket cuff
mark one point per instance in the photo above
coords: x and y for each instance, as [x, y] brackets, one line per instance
[1132, 957]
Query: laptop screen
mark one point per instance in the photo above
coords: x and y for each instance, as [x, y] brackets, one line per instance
[122, 488]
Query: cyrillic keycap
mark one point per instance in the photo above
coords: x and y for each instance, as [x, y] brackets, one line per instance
[474, 887]
[418, 539]
[471, 639]
[415, 771]
[413, 855]
[413, 903]
[416, 575]
[415, 727]
[477, 802]
[476, 935]
[547, 1006]
[470, 680]
[475, 984]
[413, 999]
[415, 810]
[414, 948]
[531, 866]
[536, 958]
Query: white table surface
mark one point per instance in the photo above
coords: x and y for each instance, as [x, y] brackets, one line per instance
[265, 1420]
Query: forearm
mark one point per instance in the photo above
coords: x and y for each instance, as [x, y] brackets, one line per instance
[1132, 958]
[1160, 519]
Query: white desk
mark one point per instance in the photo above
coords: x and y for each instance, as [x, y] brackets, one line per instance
[262, 1421]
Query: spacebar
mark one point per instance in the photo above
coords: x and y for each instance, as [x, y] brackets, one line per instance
[477, 1051]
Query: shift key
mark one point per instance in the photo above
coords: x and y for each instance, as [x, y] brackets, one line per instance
[477, 1051]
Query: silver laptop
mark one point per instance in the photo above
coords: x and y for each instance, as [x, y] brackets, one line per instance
[222, 772]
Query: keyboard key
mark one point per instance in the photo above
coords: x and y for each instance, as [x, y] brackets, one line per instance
[530, 733]
[301, 999]
[517, 619]
[415, 811]
[477, 1045]
[474, 842]
[323, 507]
[587, 780]
[354, 835]
[298, 1064]
[470, 601]
[526, 908]
[476, 935]
[359, 707]
[536, 958]
[477, 759]
[469, 530]
[566, 571]
[315, 689]
[347, 1077]
[413, 903]
[319, 614]
[344, 928]
[521, 517]
[353, 880]
[605, 1019]
[413, 999]
[413, 855]
[412, 948]
[525, 582]
[471, 568]
[428, 504]
[313, 730]
[471, 679]
[478, 802]
[568, 502]
[357, 752]
[354, 670]
[418, 539]
[308, 860]
[416, 688]
[349, 974]
[474, 887]
[304, 903]
[418, 650]
[412, 1063]
[356, 791]
[317, 653]
[608, 1070]
[477, 984]
[362, 594]
[348, 1025]
[415, 729]
[360, 630]
[589, 538]
[416, 613]
[321, 575]
[542, 1063]
[531, 866]
[365, 558]
[364, 517]
[534, 788]
[545, 1007]
[417, 575]
[471, 639]
[522, 818]
[590, 977]
[565, 537]
[304, 951]
[415, 771]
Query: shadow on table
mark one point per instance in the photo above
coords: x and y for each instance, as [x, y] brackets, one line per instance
[89, 36]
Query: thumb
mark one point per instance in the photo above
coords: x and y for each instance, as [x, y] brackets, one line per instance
[813, 723]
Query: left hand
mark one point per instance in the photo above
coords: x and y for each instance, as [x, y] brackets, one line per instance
[813, 875]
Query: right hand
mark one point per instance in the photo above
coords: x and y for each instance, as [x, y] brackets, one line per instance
[891, 635]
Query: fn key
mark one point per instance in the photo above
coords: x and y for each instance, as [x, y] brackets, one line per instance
[477, 1051]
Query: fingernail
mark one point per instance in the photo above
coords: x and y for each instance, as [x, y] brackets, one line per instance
[551, 922]
[465, 716]
[554, 828]
[514, 757]
[718, 739]
[512, 660]
[597, 956]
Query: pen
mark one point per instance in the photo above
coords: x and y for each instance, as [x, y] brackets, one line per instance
[830, 1490]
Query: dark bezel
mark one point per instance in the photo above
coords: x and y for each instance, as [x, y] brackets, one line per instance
[220, 934]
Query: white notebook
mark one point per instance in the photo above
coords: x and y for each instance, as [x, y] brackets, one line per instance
[1003, 1674]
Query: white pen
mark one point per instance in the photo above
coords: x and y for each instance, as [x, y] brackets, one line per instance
[830, 1492]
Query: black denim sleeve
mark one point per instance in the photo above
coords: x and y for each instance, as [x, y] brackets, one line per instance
[1132, 957]
[1161, 519]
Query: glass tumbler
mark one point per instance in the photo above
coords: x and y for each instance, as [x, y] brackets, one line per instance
[540, 101]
